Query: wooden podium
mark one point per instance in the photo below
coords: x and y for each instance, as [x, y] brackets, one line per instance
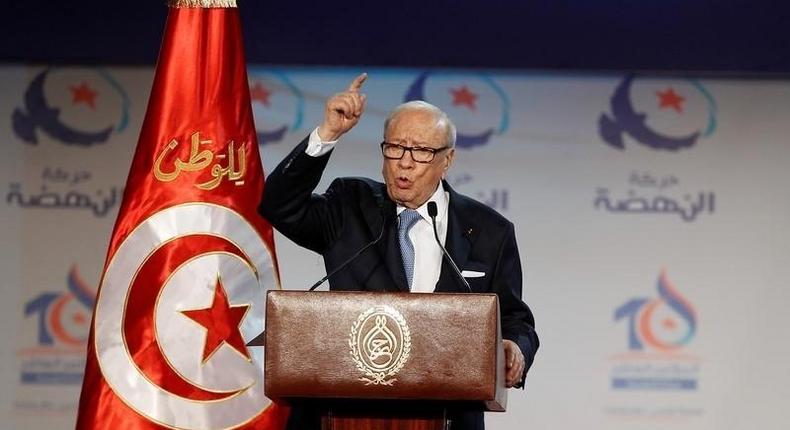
[384, 360]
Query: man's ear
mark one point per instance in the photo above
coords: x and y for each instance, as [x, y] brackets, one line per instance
[449, 159]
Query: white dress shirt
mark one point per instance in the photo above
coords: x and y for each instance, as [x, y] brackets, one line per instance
[427, 254]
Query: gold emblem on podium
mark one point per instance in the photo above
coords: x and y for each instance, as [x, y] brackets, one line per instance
[380, 344]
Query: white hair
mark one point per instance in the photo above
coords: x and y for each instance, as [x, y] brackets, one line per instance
[442, 120]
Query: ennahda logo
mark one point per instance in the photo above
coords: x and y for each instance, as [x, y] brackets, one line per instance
[478, 106]
[658, 113]
[74, 106]
[277, 105]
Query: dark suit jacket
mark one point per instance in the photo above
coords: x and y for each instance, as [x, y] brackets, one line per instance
[355, 211]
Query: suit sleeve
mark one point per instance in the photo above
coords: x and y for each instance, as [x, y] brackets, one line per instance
[518, 323]
[310, 220]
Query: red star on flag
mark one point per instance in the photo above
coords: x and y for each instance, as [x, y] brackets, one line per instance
[260, 93]
[221, 321]
[83, 94]
[463, 97]
[670, 99]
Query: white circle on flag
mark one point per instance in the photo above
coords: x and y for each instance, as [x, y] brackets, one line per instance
[243, 284]
[181, 339]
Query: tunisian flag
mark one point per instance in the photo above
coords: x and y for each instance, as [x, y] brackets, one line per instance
[190, 259]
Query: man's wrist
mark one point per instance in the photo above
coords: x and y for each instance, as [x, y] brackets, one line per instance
[316, 146]
[326, 136]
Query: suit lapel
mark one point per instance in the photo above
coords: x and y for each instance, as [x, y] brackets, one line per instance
[461, 231]
[460, 234]
[388, 247]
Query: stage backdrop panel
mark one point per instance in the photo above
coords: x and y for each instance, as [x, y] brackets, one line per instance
[652, 216]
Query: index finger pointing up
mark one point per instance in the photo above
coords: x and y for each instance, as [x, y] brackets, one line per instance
[356, 84]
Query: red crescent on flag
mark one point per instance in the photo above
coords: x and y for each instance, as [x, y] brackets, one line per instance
[139, 331]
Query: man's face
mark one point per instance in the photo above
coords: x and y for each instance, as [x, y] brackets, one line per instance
[408, 182]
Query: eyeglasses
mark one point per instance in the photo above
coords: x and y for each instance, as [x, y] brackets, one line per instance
[393, 151]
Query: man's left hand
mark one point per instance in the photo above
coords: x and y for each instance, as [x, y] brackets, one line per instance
[514, 363]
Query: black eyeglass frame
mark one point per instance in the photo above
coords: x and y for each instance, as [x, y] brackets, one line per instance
[432, 151]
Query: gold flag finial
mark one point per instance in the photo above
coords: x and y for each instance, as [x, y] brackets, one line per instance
[201, 3]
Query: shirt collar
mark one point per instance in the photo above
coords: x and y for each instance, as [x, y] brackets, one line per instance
[439, 197]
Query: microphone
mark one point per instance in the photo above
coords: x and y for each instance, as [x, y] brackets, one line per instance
[432, 212]
[353, 257]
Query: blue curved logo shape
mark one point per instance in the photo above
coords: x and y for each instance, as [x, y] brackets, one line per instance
[278, 133]
[416, 91]
[625, 119]
[37, 114]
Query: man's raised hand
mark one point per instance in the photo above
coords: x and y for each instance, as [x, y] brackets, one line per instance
[343, 110]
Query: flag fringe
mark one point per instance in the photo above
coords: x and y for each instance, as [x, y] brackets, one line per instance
[201, 3]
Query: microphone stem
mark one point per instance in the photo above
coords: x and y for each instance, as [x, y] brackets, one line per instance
[447, 256]
[353, 257]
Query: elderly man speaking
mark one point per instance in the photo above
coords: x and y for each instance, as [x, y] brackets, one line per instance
[417, 151]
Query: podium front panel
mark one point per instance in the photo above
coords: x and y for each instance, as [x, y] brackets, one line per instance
[363, 345]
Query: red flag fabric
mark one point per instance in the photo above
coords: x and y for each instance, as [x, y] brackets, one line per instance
[189, 260]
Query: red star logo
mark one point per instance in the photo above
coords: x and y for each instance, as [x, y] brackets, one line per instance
[83, 94]
[463, 97]
[669, 324]
[670, 99]
[78, 318]
[221, 322]
[260, 93]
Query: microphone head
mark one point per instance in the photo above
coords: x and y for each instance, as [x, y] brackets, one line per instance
[432, 210]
